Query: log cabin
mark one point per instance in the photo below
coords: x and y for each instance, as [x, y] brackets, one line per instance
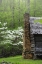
[32, 37]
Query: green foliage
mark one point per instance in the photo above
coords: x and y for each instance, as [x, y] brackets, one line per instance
[35, 8]
[3, 28]
[7, 50]
[10, 41]
[12, 11]
[38, 21]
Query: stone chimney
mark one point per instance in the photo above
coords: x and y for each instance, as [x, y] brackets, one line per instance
[26, 38]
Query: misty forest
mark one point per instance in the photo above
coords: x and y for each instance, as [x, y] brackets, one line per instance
[12, 28]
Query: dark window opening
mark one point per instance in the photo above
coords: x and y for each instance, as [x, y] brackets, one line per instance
[38, 40]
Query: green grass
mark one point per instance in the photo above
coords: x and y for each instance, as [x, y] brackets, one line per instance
[20, 60]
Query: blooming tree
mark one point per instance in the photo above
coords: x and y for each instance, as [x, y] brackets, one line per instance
[15, 36]
[10, 36]
[3, 29]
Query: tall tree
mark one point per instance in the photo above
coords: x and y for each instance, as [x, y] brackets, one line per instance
[34, 8]
[19, 11]
[28, 6]
[13, 20]
[0, 2]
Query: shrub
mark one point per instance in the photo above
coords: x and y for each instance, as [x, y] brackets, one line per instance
[7, 50]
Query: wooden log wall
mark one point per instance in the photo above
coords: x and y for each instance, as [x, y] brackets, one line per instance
[26, 38]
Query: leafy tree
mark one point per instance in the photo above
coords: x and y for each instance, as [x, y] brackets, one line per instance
[3, 29]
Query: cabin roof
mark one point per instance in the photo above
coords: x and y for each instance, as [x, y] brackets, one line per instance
[35, 28]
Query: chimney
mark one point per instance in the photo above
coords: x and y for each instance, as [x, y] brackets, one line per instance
[26, 38]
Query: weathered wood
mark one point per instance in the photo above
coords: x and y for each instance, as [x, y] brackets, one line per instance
[32, 46]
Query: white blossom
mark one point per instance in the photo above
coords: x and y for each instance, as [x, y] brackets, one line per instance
[12, 35]
[0, 22]
[4, 24]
